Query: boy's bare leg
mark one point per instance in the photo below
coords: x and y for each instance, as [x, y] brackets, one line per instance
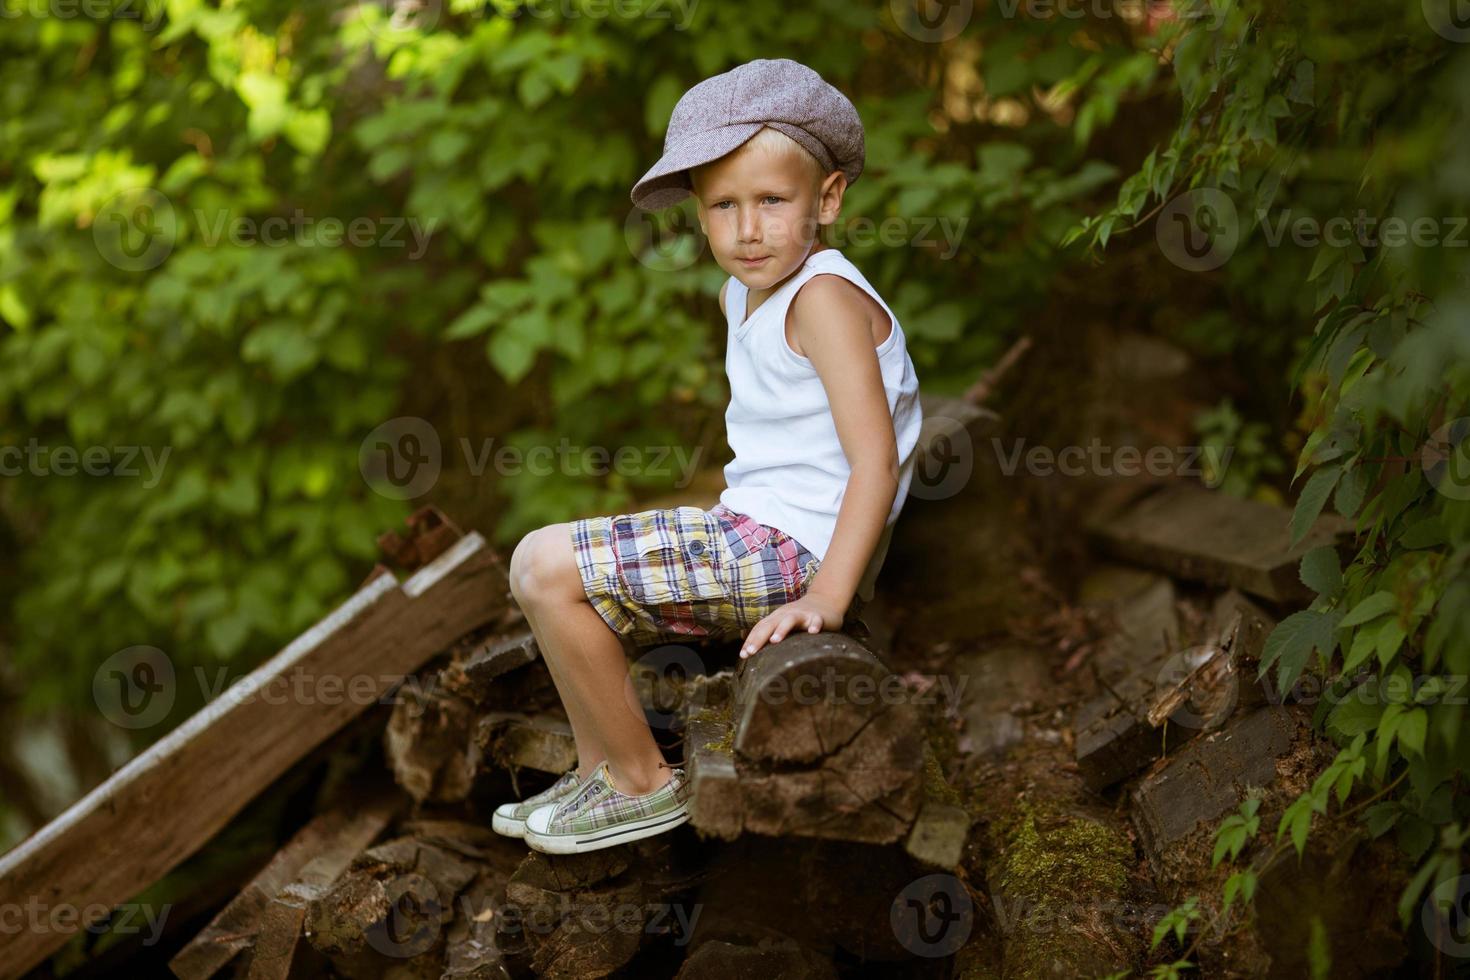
[586, 660]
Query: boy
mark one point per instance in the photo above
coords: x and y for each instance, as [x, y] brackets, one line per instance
[823, 418]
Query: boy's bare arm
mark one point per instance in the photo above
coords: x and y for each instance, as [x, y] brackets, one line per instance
[830, 321]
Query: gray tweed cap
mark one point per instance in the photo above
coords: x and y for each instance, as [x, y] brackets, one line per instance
[722, 112]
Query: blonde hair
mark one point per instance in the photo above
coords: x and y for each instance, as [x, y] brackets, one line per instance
[774, 143]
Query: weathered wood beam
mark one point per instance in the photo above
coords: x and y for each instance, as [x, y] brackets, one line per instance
[172, 798]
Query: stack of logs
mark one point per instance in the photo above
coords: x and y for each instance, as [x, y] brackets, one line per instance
[809, 756]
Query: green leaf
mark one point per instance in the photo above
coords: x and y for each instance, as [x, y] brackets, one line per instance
[309, 130]
[1320, 570]
[1350, 492]
[1412, 730]
[471, 323]
[1314, 495]
[1291, 642]
[1369, 608]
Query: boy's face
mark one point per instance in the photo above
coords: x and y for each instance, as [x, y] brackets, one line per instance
[754, 204]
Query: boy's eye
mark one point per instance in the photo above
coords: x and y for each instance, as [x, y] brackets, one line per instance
[720, 205]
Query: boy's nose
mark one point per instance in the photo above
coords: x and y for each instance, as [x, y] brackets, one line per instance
[750, 230]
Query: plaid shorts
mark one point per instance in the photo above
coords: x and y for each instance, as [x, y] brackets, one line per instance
[671, 574]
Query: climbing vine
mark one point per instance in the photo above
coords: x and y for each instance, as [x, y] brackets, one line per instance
[1317, 167]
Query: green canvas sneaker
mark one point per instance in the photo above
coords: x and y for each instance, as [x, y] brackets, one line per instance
[597, 815]
[510, 818]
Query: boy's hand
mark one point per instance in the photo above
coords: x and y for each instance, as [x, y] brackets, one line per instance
[814, 612]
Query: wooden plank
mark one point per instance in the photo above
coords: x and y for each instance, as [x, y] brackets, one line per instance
[1210, 536]
[172, 798]
[324, 846]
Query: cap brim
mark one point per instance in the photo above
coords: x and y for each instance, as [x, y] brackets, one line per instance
[667, 181]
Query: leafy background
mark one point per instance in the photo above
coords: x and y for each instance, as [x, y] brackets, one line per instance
[543, 307]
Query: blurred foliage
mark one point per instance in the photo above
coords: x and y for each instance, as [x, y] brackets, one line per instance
[168, 279]
[1321, 112]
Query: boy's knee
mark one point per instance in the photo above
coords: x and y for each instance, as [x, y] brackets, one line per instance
[533, 564]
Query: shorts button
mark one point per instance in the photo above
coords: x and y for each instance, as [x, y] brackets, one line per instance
[696, 547]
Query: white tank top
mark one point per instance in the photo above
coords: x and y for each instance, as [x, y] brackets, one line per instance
[789, 469]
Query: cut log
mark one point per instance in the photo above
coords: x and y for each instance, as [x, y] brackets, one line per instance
[1058, 880]
[715, 805]
[939, 835]
[394, 904]
[863, 785]
[1207, 778]
[773, 957]
[802, 699]
[1213, 537]
[515, 741]
[588, 915]
[168, 801]
[822, 894]
[319, 852]
[477, 675]
[868, 791]
[428, 744]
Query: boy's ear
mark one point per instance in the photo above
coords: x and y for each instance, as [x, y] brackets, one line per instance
[830, 197]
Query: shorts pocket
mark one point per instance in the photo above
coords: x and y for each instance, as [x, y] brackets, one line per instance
[676, 556]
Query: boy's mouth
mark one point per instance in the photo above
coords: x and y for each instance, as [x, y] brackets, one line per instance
[752, 263]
